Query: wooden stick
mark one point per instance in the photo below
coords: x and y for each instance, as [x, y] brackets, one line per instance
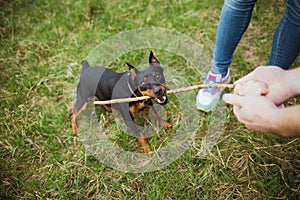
[124, 100]
[178, 90]
[194, 87]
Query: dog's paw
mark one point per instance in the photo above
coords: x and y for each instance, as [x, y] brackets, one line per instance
[167, 125]
[147, 150]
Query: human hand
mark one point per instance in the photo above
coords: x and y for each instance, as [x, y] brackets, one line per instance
[251, 87]
[274, 77]
[256, 112]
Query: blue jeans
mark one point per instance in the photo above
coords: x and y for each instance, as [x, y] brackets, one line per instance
[234, 20]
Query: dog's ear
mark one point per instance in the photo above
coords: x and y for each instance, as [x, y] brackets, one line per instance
[153, 61]
[133, 71]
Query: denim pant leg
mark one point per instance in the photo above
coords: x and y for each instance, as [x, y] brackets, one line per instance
[234, 20]
[286, 41]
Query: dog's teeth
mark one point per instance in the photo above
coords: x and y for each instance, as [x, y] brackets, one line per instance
[161, 99]
[158, 100]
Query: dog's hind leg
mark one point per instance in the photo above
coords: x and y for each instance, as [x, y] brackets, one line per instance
[79, 106]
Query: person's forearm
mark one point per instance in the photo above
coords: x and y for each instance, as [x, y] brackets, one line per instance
[288, 122]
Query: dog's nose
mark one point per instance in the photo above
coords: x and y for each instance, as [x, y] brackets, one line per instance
[157, 91]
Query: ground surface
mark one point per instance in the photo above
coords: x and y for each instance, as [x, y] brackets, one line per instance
[42, 45]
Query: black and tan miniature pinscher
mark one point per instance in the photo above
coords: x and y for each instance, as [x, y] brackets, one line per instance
[106, 84]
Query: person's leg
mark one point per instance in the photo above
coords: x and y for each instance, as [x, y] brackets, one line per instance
[234, 20]
[286, 40]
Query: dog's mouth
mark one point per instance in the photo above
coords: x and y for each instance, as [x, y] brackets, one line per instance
[157, 93]
[162, 100]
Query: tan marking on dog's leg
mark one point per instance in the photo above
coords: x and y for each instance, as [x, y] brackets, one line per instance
[145, 145]
[135, 108]
[107, 107]
[75, 129]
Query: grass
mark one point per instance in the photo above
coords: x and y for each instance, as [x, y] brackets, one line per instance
[42, 43]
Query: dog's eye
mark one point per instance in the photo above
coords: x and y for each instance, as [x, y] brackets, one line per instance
[157, 76]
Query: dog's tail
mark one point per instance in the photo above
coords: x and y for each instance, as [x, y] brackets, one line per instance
[85, 64]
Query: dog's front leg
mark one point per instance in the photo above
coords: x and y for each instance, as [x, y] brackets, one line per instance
[128, 119]
[145, 144]
[136, 132]
[166, 125]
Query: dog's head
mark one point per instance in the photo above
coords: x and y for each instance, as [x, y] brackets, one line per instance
[150, 82]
